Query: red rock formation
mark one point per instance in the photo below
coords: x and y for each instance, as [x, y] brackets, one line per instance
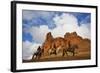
[47, 43]
[59, 41]
[73, 37]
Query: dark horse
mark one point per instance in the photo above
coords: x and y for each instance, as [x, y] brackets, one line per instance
[71, 49]
[38, 53]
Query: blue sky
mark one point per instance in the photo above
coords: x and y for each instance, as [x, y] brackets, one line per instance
[32, 18]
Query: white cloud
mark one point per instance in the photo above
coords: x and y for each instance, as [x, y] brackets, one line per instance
[65, 19]
[84, 31]
[64, 23]
[39, 33]
[29, 49]
[69, 23]
[30, 14]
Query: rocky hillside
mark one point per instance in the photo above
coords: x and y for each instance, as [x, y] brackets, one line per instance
[73, 37]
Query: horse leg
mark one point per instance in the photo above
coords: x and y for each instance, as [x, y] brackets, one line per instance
[66, 53]
[51, 53]
[55, 52]
[63, 53]
[73, 52]
[38, 56]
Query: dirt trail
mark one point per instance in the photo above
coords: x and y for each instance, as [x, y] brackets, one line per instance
[59, 57]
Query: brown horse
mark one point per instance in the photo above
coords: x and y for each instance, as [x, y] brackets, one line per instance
[52, 50]
[57, 46]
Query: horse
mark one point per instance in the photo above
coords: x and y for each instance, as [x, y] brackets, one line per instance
[57, 46]
[71, 48]
[38, 53]
[52, 50]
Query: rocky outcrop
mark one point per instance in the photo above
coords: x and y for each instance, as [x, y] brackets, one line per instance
[74, 38]
[48, 42]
